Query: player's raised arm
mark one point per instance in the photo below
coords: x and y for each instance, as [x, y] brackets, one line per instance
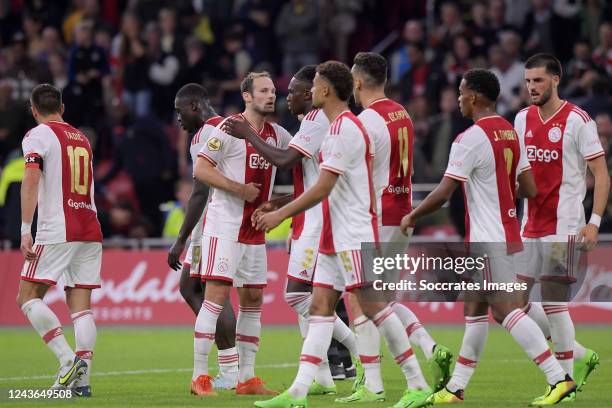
[281, 158]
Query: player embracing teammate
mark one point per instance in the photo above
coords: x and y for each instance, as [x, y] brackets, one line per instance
[235, 251]
[345, 189]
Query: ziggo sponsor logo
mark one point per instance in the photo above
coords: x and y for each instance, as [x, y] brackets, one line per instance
[541, 155]
[77, 205]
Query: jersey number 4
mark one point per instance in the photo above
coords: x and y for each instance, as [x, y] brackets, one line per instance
[79, 165]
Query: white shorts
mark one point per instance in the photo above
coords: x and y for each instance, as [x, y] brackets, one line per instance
[498, 269]
[302, 259]
[393, 242]
[341, 271]
[553, 257]
[243, 265]
[194, 263]
[78, 262]
[393, 234]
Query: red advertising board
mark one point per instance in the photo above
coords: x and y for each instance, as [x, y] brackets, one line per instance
[140, 289]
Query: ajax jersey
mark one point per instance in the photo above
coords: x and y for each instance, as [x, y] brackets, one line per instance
[66, 208]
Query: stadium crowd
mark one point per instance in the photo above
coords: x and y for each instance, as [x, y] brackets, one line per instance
[120, 63]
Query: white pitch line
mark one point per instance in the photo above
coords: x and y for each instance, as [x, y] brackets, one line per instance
[137, 372]
[180, 370]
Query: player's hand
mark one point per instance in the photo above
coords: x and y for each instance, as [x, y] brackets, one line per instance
[268, 221]
[587, 238]
[236, 127]
[26, 247]
[175, 253]
[407, 224]
[250, 192]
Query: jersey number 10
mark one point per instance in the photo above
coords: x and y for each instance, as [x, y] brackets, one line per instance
[75, 154]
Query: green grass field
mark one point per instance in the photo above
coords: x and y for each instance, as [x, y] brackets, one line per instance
[152, 367]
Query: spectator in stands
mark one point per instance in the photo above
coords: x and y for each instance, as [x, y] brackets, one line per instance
[87, 71]
[23, 72]
[172, 39]
[57, 67]
[133, 65]
[479, 28]
[400, 60]
[597, 99]
[575, 69]
[51, 44]
[196, 69]
[232, 65]
[32, 27]
[602, 56]
[174, 211]
[414, 81]
[296, 30]
[539, 28]
[510, 73]
[163, 73]
[257, 18]
[142, 149]
[442, 130]
[451, 25]
[458, 61]
[14, 121]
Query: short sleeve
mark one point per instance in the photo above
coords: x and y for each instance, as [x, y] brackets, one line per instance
[308, 140]
[215, 146]
[283, 136]
[35, 148]
[463, 156]
[588, 142]
[336, 155]
[523, 163]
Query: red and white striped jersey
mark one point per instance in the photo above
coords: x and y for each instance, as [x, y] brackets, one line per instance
[66, 208]
[390, 128]
[197, 142]
[229, 216]
[308, 141]
[487, 159]
[348, 213]
[558, 150]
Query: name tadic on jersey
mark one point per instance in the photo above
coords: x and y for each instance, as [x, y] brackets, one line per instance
[66, 207]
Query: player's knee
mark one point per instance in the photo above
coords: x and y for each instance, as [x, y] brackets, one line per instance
[321, 309]
[27, 292]
[188, 289]
[251, 297]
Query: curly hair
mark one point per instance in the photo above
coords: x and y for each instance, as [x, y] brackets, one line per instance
[339, 76]
[484, 82]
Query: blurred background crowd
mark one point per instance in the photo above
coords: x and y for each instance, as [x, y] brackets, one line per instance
[120, 62]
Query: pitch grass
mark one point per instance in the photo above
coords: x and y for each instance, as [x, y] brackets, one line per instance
[152, 367]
